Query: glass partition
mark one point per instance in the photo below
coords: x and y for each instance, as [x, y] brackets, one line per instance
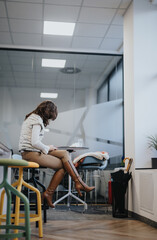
[90, 98]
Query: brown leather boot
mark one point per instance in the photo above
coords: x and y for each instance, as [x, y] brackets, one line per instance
[55, 181]
[79, 184]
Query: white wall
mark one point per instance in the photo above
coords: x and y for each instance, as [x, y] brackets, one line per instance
[145, 78]
[140, 85]
[99, 121]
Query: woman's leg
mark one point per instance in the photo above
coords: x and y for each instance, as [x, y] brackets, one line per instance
[55, 181]
[50, 162]
[70, 168]
[44, 160]
[59, 159]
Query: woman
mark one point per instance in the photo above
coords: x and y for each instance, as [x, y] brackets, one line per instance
[32, 149]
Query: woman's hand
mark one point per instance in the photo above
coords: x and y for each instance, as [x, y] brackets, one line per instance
[52, 148]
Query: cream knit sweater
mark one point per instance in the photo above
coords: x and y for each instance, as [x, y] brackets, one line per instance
[32, 132]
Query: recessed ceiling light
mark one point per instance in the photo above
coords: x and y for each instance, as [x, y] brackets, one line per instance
[70, 70]
[48, 95]
[55, 63]
[59, 28]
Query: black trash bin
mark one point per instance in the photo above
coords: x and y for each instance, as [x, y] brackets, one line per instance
[119, 181]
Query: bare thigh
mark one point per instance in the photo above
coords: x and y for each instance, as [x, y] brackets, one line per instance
[43, 160]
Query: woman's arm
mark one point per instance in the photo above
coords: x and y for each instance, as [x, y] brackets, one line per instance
[36, 141]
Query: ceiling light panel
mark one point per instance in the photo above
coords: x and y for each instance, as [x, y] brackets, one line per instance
[54, 63]
[59, 28]
[48, 95]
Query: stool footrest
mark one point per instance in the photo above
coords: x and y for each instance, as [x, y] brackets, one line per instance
[33, 217]
[12, 235]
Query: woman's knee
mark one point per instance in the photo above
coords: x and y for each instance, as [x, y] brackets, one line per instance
[65, 156]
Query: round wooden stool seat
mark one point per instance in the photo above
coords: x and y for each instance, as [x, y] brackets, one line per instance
[29, 164]
[13, 162]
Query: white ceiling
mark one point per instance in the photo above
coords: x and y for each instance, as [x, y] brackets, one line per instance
[99, 23]
[99, 28]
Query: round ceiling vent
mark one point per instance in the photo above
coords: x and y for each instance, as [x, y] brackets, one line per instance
[70, 70]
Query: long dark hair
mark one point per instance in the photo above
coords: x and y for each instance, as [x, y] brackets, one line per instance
[46, 110]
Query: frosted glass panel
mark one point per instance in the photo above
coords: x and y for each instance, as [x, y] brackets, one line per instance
[69, 120]
[105, 121]
[112, 149]
[100, 127]
[67, 129]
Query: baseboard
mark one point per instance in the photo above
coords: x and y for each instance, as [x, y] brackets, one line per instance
[142, 219]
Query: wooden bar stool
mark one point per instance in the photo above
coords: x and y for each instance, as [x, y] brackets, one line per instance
[18, 217]
[36, 183]
[18, 230]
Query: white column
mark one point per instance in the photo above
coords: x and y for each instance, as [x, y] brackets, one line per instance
[140, 97]
[140, 79]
